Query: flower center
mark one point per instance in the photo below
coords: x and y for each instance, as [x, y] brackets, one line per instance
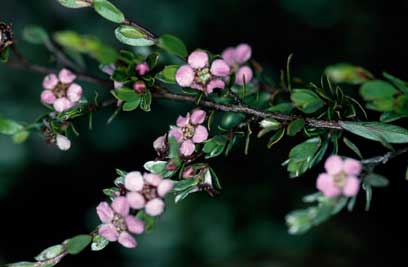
[188, 131]
[340, 179]
[119, 223]
[149, 192]
[203, 76]
[60, 90]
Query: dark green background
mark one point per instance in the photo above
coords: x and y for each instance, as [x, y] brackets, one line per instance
[47, 195]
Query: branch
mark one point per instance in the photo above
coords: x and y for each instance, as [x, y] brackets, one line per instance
[384, 158]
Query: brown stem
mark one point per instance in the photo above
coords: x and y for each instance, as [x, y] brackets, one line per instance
[384, 158]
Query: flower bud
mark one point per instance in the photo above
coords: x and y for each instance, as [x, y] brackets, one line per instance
[6, 36]
[63, 142]
[139, 86]
[269, 123]
[142, 68]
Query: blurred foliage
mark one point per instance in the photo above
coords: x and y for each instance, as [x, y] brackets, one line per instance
[244, 226]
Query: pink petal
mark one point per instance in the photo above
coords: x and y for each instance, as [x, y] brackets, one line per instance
[63, 143]
[134, 181]
[246, 72]
[183, 121]
[200, 134]
[66, 76]
[198, 59]
[160, 143]
[109, 69]
[326, 185]
[229, 56]
[142, 68]
[185, 76]
[134, 225]
[48, 97]
[62, 104]
[176, 133]
[50, 81]
[155, 207]
[126, 240]
[198, 116]
[152, 179]
[197, 86]
[164, 187]
[136, 200]
[187, 148]
[108, 232]
[117, 85]
[74, 92]
[352, 186]
[243, 53]
[121, 206]
[333, 165]
[352, 167]
[105, 213]
[215, 84]
[220, 68]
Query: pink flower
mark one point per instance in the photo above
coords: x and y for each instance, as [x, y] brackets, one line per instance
[160, 144]
[190, 131]
[236, 57]
[142, 68]
[340, 177]
[61, 91]
[147, 191]
[118, 224]
[198, 74]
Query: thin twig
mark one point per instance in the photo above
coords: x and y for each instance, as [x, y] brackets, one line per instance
[384, 158]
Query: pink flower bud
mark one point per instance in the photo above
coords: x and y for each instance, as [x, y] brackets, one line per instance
[48, 97]
[142, 68]
[188, 173]
[139, 86]
[243, 53]
[74, 92]
[63, 142]
[155, 207]
[160, 143]
[66, 76]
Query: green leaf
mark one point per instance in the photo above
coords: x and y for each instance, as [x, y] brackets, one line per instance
[21, 137]
[131, 105]
[78, 243]
[149, 221]
[353, 147]
[99, 243]
[295, 126]
[369, 195]
[231, 120]
[377, 131]
[35, 35]
[127, 94]
[376, 180]
[155, 167]
[347, 73]
[215, 146]
[132, 36]
[146, 101]
[22, 264]
[184, 184]
[4, 55]
[306, 100]
[50, 253]
[74, 3]
[390, 117]
[108, 11]
[377, 89]
[400, 84]
[173, 45]
[9, 127]
[168, 74]
[285, 108]
[302, 157]
[276, 137]
[86, 44]
[401, 105]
